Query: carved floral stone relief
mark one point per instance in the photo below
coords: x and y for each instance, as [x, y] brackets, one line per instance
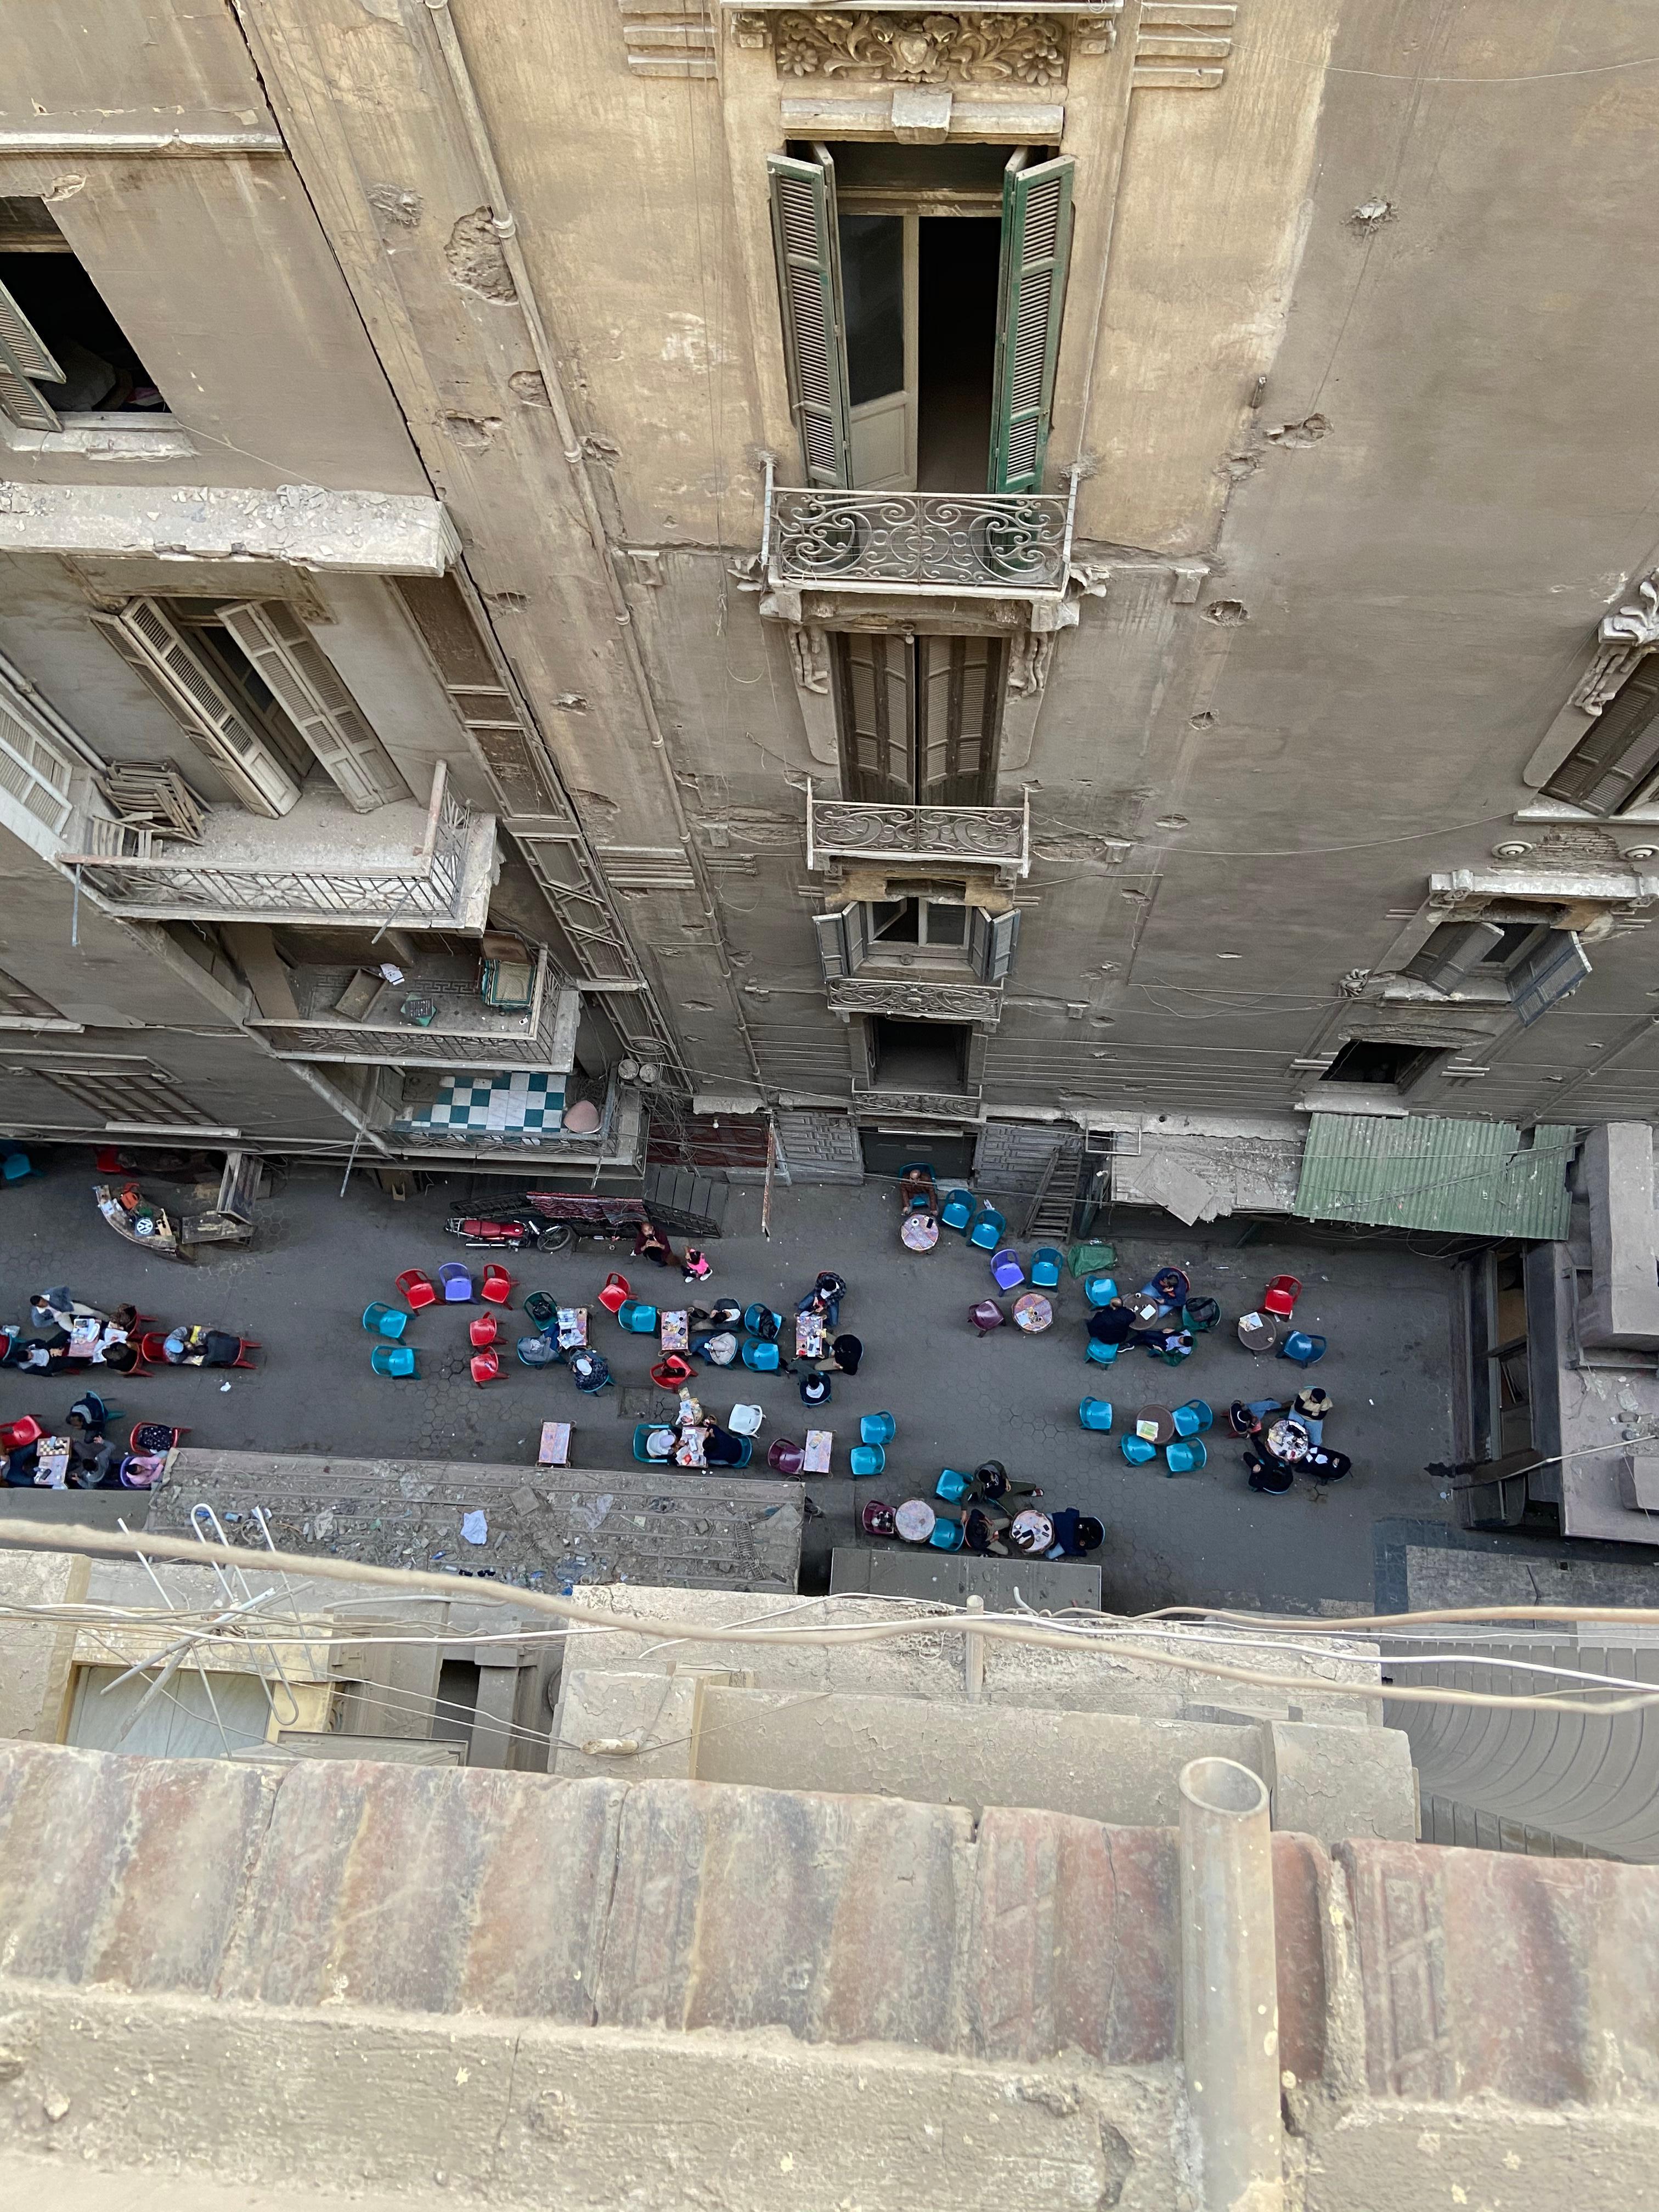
[859, 47]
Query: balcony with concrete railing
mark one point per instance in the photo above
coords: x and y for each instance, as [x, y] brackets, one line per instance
[434, 1017]
[414, 866]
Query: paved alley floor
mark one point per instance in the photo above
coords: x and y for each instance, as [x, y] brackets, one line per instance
[319, 1258]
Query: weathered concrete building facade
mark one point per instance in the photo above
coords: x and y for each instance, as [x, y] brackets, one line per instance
[892, 570]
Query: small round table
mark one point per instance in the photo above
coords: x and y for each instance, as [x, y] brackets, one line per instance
[914, 1520]
[1258, 1332]
[1033, 1313]
[918, 1232]
[1288, 1442]
[1162, 1417]
[1036, 1525]
[1146, 1311]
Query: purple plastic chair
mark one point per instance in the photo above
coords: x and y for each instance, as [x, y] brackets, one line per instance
[1006, 1269]
[987, 1315]
[457, 1283]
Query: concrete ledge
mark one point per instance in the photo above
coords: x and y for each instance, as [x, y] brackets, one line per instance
[371, 532]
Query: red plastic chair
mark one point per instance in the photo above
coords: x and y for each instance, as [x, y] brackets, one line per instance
[416, 1289]
[244, 1345]
[13, 1435]
[150, 1347]
[483, 1330]
[672, 1371]
[615, 1294]
[496, 1288]
[486, 1367]
[1280, 1295]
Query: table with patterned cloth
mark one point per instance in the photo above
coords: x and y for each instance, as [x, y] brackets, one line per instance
[1033, 1313]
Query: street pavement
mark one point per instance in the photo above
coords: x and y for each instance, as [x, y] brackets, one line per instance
[318, 1257]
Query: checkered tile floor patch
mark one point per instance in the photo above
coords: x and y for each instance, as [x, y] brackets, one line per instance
[522, 1100]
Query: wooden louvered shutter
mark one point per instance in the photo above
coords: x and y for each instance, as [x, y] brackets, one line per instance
[308, 689]
[23, 356]
[155, 647]
[960, 703]
[805, 240]
[991, 941]
[1611, 763]
[1036, 240]
[1543, 978]
[1455, 948]
[876, 710]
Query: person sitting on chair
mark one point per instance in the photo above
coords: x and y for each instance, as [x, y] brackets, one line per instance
[991, 1481]
[824, 1297]
[985, 1530]
[842, 1357]
[588, 1371]
[814, 1387]
[1111, 1324]
[197, 1346]
[1171, 1287]
[1076, 1534]
[720, 1447]
[1269, 1474]
[720, 1351]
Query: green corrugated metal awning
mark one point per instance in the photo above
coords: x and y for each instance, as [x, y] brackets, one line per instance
[1468, 1178]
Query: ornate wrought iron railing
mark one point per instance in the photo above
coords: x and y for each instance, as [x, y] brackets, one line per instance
[845, 829]
[430, 889]
[982, 542]
[915, 1000]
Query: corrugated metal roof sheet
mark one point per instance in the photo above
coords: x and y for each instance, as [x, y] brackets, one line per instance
[1471, 1178]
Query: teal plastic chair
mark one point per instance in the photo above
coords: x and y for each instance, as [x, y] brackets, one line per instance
[1185, 1458]
[1100, 1290]
[1302, 1347]
[1137, 1451]
[1101, 1355]
[877, 1429]
[957, 1209]
[745, 1454]
[393, 1359]
[946, 1536]
[951, 1486]
[14, 1166]
[384, 1319]
[1096, 1414]
[1047, 1267]
[866, 1459]
[640, 1319]
[763, 1358]
[987, 1231]
[641, 1430]
[1192, 1417]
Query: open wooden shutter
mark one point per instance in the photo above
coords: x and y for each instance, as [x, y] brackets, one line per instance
[1541, 979]
[960, 706]
[1036, 242]
[1612, 761]
[805, 238]
[842, 941]
[155, 647]
[876, 711]
[991, 941]
[308, 687]
[1455, 948]
[21, 356]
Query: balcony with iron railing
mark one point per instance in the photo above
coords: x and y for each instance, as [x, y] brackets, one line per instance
[405, 865]
[435, 1017]
[997, 837]
[990, 544]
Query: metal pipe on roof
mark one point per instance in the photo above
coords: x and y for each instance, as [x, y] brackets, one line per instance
[1230, 1987]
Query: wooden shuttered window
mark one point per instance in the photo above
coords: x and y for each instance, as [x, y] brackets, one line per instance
[157, 650]
[843, 941]
[991, 938]
[1455, 948]
[1544, 975]
[919, 718]
[806, 240]
[1613, 761]
[22, 356]
[308, 689]
[1037, 240]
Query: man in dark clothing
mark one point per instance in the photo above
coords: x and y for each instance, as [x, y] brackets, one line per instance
[1076, 1534]
[991, 1481]
[1110, 1324]
[719, 1447]
[984, 1529]
[1269, 1475]
[845, 1354]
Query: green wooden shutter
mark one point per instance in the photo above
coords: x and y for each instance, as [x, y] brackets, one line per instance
[154, 649]
[1036, 241]
[1616, 757]
[805, 238]
[308, 689]
[23, 356]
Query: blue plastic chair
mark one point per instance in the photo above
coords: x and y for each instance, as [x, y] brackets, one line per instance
[1100, 1290]
[1096, 1414]
[866, 1459]
[946, 1536]
[1005, 1269]
[638, 1319]
[1302, 1347]
[457, 1283]
[1192, 1417]
[383, 1320]
[951, 1486]
[987, 1231]
[1047, 1267]
[15, 1167]
[393, 1359]
[1137, 1451]
[1101, 1355]
[957, 1209]
[877, 1429]
[1184, 1458]
[763, 1358]
[641, 1430]
[761, 1321]
[746, 1454]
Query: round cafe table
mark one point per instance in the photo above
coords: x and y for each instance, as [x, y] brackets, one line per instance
[1033, 1313]
[914, 1520]
[918, 1232]
[1288, 1441]
[1258, 1332]
[1160, 1417]
[1035, 1525]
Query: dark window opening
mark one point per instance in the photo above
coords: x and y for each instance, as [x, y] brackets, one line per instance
[102, 373]
[956, 364]
[1367, 1060]
[919, 1055]
[918, 922]
[456, 1702]
[889, 1152]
